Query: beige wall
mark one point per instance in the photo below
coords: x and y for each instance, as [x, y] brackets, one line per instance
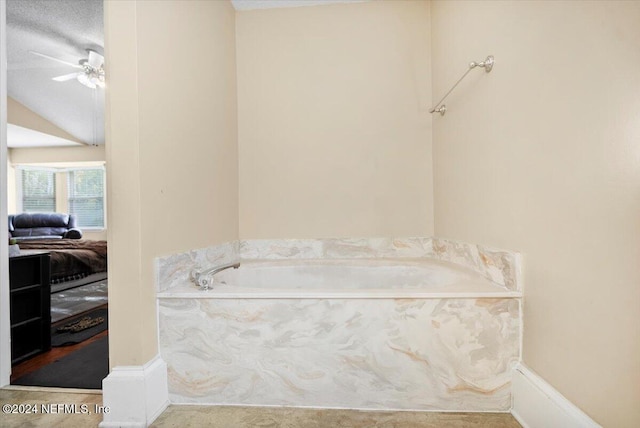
[171, 150]
[18, 114]
[188, 124]
[57, 155]
[334, 134]
[542, 155]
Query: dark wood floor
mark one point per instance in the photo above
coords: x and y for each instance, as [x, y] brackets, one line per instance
[54, 354]
[41, 360]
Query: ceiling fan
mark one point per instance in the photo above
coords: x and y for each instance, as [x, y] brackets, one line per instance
[92, 69]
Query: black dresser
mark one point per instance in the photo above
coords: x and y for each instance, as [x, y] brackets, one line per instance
[30, 306]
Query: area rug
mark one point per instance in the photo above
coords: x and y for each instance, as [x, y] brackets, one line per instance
[84, 368]
[74, 301]
[78, 329]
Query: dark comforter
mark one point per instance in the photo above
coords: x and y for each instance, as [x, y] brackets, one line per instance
[71, 258]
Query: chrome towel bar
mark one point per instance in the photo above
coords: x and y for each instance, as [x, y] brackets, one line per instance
[487, 64]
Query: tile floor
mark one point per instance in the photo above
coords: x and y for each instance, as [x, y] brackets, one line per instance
[29, 398]
[238, 417]
[263, 417]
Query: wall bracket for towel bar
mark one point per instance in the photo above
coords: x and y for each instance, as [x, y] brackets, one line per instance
[487, 64]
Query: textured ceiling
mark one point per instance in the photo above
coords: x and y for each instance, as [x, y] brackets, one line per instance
[63, 29]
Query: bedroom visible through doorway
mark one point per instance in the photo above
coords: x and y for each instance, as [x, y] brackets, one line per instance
[56, 193]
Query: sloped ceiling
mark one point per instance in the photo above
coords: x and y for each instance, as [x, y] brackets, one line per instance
[24, 137]
[64, 29]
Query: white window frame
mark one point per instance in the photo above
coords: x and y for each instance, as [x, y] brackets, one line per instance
[61, 190]
[104, 195]
[19, 189]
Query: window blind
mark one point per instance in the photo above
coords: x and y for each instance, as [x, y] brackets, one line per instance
[38, 191]
[86, 196]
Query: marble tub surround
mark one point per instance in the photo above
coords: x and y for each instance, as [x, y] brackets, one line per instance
[174, 270]
[375, 323]
[500, 266]
[409, 354]
[345, 248]
[336, 248]
[271, 249]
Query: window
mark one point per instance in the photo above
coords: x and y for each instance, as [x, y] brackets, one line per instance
[78, 191]
[85, 190]
[38, 191]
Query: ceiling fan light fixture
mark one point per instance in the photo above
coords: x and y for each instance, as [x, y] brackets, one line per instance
[86, 80]
[99, 79]
[92, 78]
[92, 74]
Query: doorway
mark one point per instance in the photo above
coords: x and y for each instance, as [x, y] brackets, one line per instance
[55, 188]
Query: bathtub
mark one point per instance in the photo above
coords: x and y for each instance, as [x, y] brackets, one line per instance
[364, 333]
[348, 279]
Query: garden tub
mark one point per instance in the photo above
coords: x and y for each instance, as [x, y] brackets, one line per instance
[378, 334]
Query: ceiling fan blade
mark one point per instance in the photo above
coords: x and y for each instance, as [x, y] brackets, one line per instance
[95, 59]
[56, 59]
[66, 77]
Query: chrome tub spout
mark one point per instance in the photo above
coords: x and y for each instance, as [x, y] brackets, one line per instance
[203, 278]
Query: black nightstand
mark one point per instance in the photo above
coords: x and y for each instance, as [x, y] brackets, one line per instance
[30, 306]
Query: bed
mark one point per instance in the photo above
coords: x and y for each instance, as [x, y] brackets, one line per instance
[74, 262]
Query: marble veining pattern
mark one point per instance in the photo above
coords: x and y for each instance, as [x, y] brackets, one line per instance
[173, 270]
[336, 248]
[421, 354]
[271, 249]
[500, 266]
[345, 248]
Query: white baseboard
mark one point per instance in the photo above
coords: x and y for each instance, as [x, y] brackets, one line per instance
[536, 404]
[135, 395]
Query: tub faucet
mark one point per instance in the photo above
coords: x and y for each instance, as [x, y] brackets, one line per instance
[202, 278]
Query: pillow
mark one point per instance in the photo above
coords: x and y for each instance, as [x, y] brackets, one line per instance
[73, 234]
